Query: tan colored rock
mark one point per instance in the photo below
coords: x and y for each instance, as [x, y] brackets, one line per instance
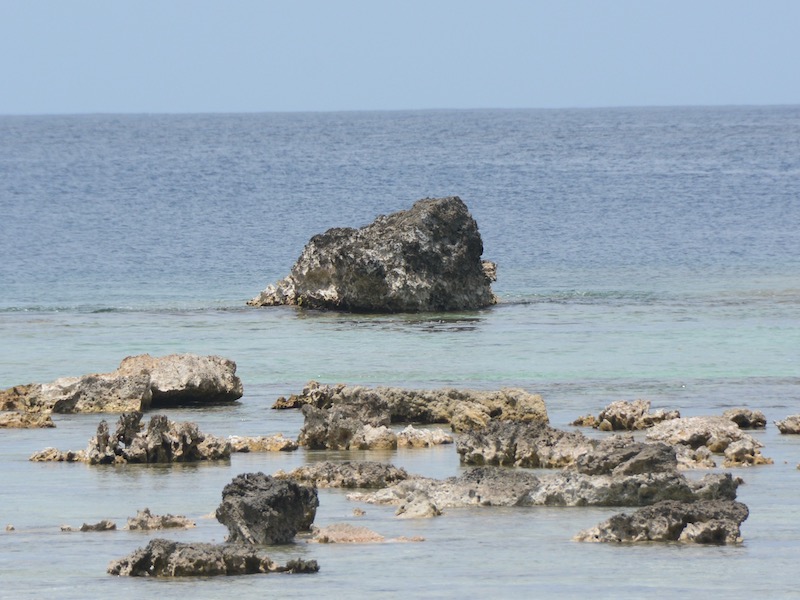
[344, 533]
[18, 420]
[272, 443]
[790, 425]
[411, 437]
[56, 455]
[147, 521]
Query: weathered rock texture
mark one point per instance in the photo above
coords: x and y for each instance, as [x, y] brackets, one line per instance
[427, 258]
[789, 425]
[104, 525]
[165, 558]
[719, 434]
[623, 415]
[147, 521]
[464, 410]
[701, 522]
[18, 420]
[258, 509]
[271, 443]
[495, 486]
[139, 383]
[533, 445]
[163, 441]
[348, 474]
[345, 533]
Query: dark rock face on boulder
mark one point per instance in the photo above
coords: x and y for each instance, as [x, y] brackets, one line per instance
[425, 259]
[258, 509]
[701, 522]
[165, 558]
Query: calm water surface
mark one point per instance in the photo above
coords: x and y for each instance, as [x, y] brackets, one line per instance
[643, 253]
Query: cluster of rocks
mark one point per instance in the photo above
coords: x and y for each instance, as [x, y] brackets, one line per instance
[269, 443]
[138, 384]
[163, 441]
[258, 510]
[424, 259]
[143, 521]
[342, 417]
[347, 474]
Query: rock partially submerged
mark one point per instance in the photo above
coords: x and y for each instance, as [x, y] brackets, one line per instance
[348, 474]
[701, 522]
[270, 443]
[163, 441]
[464, 410]
[18, 420]
[532, 445]
[746, 418]
[139, 383]
[258, 509]
[104, 525]
[789, 425]
[425, 259]
[719, 435]
[624, 415]
[496, 486]
[165, 558]
[147, 521]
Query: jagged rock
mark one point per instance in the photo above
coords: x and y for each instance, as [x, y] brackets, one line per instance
[349, 474]
[139, 383]
[272, 443]
[163, 441]
[496, 486]
[422, 438]
[418, 507]
[464, 409]
[18, 420]
[622, 455]
[258, 509]
[790, 425]
[623, 415]
[146, 521]
[533, 445]
[715, 433]
[181, 379]
[427, 258]
[746, 418]
[701, 522]
[165, 558]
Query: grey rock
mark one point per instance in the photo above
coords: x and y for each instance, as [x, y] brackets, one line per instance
[147, 521]
[701, 522]
[624, 415]
[427, 258]
[18, 420]
[165, 558]
[789, 425]
[258, 509]
[746, 418]
[348, 474]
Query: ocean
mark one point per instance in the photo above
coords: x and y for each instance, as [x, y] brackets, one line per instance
[642, 253]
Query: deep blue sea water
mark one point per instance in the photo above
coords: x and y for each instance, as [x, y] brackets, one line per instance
[645, 253]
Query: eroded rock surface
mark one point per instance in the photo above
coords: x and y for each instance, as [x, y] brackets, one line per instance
[165, 558]
[270, 443]
[18, 420]
[139, 383]
[147, 521]
[700, 522]
[258, 509]
[427, 258]
[746, 418]
[348, 474]
[789, 425]
[624, 415]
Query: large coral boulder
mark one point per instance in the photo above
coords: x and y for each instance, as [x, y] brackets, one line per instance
[259, 509]
[427, 258]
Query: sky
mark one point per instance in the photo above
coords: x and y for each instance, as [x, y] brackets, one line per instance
[190, 56]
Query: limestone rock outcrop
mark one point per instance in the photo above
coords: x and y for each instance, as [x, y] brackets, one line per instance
[138, 384]
[18, 420]
[701, 522]
[165, 558]
[425, 259]
[624, 415]
[789, 425]
[348, 474]
[147, 521]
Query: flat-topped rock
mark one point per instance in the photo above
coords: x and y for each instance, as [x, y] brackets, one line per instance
[138, 384]
[348, 474]
[425, 259]
[624, 415]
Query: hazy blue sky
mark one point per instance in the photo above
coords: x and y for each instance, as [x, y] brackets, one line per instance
[79, 56]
